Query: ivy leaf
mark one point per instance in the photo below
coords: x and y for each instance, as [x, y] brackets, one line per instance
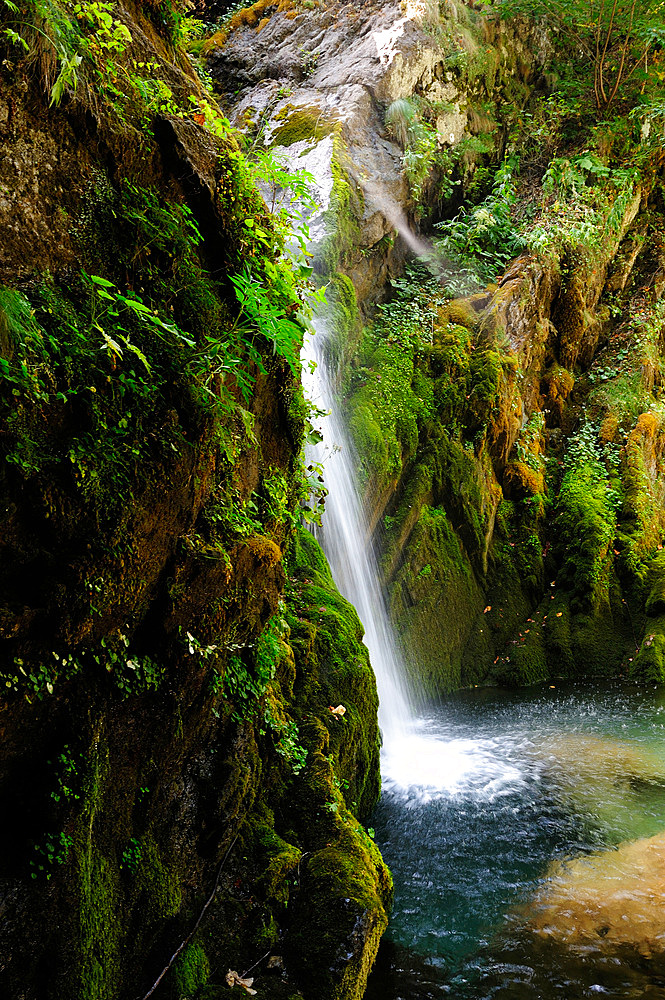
[14, 36]
[111, 344]
[139, 354]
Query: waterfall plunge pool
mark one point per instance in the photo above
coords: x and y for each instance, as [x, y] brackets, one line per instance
[526, 836]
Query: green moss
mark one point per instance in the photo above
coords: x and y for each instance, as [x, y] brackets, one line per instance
[101, 927]
[332, 667]
[587, 522]
[648, 666]
[463, 480]
[525, 665]
[655, 604]
[343, 316]
[345, 209]
[385, 410]
[626, 397]
[434, 610]
[450, 365]
[276, 859]
[454, 314]
[306, 559]
[102, 920]
[485, 380]
[17, 325]
[191, 970]
[642, 518]
[298, 124]
[344, 910]
[158, 885]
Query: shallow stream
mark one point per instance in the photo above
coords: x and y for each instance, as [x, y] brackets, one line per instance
[504, 819]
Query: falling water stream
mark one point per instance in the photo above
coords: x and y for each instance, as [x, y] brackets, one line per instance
[344, 540]
[524, 830]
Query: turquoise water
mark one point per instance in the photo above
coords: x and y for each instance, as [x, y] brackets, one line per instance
[488, 806]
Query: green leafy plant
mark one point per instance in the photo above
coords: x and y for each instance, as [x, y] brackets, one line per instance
[53, 850]
[37, 681]
[287, 741]
[68, 777]
[418, 139]
[250, 669]
[132, 856]
[477, 244]
[259, 313]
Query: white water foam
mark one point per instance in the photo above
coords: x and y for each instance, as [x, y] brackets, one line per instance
[421, 767]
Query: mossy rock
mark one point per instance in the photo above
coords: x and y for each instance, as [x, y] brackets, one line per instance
[586, 520]
[520, 481]
[648, 666]
[458, 312]
[191, 970]
[435, 598]
[345, 320]
[342, 912]
[655, 604]
[525, 665]
[332, 667]
[301, 123]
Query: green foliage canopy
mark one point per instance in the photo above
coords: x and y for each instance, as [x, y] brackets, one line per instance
[621, 39]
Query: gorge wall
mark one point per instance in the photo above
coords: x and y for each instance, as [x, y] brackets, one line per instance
[174, 781]
[184, 794]
[508, 422]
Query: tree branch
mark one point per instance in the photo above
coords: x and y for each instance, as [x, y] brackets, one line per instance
[196, 926]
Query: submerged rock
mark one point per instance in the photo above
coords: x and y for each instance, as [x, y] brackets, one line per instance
[617, 787]
[609, 900]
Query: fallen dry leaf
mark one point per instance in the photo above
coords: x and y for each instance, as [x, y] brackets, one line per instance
[232, 978]
[339, 711]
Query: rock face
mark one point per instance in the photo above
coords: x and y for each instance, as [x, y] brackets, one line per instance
[168, 751]
[303, 89]
[513, 568]
[295, 76]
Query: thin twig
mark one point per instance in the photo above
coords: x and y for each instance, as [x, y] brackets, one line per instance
[596, 68]
[623, 54]
[604, 52]
[196, 925]
[256, 963]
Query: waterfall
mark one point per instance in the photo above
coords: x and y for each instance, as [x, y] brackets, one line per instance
[345, 540]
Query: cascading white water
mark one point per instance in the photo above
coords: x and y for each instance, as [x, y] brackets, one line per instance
[344, 539]
[418, 759]
[421, 760]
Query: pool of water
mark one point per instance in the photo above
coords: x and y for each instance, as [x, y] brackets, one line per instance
[523, 833]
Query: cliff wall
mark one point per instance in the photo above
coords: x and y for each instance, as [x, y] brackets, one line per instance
[180, 797]
[505, 400]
